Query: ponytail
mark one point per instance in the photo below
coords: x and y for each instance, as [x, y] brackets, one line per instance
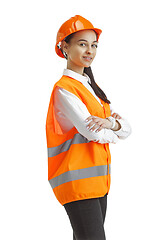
[95, 87]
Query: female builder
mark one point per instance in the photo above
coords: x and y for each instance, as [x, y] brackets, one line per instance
[79, 160]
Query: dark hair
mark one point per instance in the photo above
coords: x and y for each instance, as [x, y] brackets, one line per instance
[98, 91]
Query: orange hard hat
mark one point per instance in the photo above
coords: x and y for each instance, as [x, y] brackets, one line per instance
[72, 25]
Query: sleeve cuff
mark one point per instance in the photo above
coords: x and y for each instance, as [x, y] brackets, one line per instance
[125, 129]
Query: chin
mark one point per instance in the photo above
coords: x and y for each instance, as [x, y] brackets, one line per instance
[86, 65]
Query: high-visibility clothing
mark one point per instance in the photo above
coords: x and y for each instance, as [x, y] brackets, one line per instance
[77, 168]
[72, 25]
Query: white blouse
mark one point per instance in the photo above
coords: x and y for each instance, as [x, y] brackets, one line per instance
[70, 111]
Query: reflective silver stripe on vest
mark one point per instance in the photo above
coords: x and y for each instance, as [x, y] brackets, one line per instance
[78, 138]
[109, 168]
[79, 174]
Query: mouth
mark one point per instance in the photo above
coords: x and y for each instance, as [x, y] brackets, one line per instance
[88, 59]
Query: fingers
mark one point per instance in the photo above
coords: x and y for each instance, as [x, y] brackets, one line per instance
[116, 116]
[99, 129]
[92, 126]
[97, 124]
[89, 118]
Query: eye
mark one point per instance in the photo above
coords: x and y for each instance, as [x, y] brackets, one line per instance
[82, 44]
[95, 45]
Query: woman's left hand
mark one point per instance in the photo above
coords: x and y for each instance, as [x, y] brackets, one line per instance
[116, 116]
[98, 123]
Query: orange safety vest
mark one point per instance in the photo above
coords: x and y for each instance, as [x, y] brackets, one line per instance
[77, 168]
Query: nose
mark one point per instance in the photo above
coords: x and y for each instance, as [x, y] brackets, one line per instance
[89, 50]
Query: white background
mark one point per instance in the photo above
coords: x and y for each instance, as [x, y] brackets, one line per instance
[127, 68]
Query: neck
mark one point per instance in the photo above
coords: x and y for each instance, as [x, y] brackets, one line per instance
[75, 68]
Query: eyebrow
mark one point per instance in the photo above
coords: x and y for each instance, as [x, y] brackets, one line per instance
[85, 40]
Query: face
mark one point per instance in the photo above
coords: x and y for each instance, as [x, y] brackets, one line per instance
[81, 49]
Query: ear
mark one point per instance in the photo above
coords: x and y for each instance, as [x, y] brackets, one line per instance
[64, 46]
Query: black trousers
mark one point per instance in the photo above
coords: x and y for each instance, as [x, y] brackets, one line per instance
[87, 218]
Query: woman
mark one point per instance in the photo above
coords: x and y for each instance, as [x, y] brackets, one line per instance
[80, 125]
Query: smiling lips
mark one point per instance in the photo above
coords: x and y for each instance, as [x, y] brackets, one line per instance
[87, 58]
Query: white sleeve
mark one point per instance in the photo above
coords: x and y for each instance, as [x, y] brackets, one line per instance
[76, 111]
[125, 129]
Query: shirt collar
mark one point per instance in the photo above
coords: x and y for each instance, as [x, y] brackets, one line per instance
[82, 78]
